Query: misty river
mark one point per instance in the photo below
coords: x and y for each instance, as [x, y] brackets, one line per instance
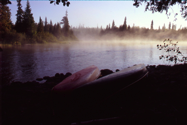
[28, 62]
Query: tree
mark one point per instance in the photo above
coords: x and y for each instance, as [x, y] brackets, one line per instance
[5, 21]
[169, 27]
[113, 24]
[57, 30]
[125, 23]
[46, 27]
[19, 19]
[164, 28]
[40, 26]
[28, 21]
[51, 26]
[65, 23]
[174, 27]
[129, 27]
[152, 25]
[106, 27]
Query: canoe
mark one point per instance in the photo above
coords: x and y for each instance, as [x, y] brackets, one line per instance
[90, 100]
[77, 79]
[108, 85]
[103, 95]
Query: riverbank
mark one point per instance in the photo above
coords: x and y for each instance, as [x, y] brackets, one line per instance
[158, 99]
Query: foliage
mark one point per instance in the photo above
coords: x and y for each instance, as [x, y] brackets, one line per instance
[40, 26]
[5, 21]
[152, 25]
[168, 47]
[65, 2]
[19, 19]
[28, 21]
[27, 31]
[43, 37]
[66, 26]
[162, 5]
[46, 27]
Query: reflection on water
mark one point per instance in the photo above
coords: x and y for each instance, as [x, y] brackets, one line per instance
[28, 62]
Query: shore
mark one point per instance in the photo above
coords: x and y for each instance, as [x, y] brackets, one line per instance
[160, 98]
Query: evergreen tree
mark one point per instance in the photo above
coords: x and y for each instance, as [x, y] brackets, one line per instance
[125, 24]
[173, 27]
[46, 27]
[66, 26]
[113, 24]
[169, 27]
[152, 25]
[54, 29]
[163, 28]
[57, 30]
[40, 26]
[5, 21]
[19, 19]
[51, 27]
[129, 27]
[106, 27]
[28, 21]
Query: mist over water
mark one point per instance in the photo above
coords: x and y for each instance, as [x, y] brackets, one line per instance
[28, 62]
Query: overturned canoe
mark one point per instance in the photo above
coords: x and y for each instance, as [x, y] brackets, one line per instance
[111, 84]
[77, 79]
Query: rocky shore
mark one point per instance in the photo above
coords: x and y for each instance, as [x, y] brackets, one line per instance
[160, 98]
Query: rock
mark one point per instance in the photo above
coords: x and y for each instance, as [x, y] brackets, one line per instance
[61, 74]
[39, 79]
[117, 70]
[57, 75]
[46, 77]
[68, 74]
[1, 49]
[105, 72]
[16, 83]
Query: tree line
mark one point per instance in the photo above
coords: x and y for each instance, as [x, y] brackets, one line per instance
[25, 30]
[126, 31]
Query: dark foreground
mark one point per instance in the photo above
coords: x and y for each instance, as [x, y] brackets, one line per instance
[160, 98]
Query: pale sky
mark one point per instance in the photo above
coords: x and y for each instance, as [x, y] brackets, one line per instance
[99, 13]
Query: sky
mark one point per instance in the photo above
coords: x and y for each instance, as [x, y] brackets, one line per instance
[100, 13]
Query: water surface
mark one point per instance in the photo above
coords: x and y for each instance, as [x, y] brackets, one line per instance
[28, 62]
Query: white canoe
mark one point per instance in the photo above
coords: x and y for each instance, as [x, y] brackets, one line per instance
[77, 79]
[108, 85]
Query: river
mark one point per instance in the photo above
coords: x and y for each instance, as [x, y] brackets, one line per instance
[28, 62]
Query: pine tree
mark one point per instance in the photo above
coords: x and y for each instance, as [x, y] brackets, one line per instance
[46, 27]
[129, 27]
[106, 27]
[51, 27]
[152, 25]
[40, 26]
[125, 24]
[19, 19]
[5, 21]
[54, 29]
[163, 28]
[28, 21]
[173, 27]
[57, 30]
[169, 27]
[159, 28]
[113, 24]
[66, 27]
